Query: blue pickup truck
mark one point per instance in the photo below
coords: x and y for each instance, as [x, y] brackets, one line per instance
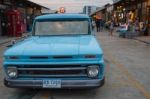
[61, 53]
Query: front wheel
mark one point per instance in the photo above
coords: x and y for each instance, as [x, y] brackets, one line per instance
[102, 82]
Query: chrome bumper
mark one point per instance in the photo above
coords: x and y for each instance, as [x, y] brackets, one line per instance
[65, 84]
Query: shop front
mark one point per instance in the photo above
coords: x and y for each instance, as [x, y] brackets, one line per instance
[148, 18]
[144, 14]
[137, 11]
[3, 20]
[125, 10]
[120, 14]
[16, 16]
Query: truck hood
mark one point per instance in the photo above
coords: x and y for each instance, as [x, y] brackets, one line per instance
[55, 45]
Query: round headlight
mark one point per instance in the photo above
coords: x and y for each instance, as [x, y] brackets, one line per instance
[12, 72]
[93, 71]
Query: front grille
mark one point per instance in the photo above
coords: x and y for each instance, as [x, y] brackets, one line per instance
[52, 71]
[62, 57]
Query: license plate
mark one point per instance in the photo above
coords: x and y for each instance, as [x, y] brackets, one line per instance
[51, 83]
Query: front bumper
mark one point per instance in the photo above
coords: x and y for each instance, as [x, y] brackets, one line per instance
[65, 84]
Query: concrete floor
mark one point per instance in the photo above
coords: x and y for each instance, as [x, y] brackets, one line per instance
[127, 74]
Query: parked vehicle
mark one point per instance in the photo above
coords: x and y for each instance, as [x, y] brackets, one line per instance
[61, 53]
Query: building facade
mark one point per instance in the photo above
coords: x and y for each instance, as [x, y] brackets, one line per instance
[132, 10]
[105, 12]
[28, 9]
[139, 8]
[89, 9]
[3, 20]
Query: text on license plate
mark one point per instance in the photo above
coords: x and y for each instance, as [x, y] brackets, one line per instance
[51, 83]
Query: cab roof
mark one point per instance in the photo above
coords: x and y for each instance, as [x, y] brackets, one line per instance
[62, 16]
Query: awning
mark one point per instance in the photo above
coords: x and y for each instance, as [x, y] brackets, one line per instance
[101, 8]
[38, 4]
[116, 1]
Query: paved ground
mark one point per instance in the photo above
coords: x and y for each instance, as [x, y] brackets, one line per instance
[127, 74]
[6, 39]
[145, 39]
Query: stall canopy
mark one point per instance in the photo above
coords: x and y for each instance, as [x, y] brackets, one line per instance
[43, 6]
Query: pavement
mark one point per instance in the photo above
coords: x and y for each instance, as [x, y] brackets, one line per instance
[6, 39]
[127, 74]
[145, 39]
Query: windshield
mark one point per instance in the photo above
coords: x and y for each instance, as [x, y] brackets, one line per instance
[61, 27]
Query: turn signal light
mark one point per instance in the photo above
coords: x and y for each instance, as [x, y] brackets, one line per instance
[90, 56]
[13, 57]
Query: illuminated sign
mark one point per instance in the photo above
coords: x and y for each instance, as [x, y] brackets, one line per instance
[62, 10]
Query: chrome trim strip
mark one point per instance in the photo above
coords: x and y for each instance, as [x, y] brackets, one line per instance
[52, 69]
[76, 75]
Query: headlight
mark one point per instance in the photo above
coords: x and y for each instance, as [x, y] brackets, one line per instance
[93, 71]
[12, 72]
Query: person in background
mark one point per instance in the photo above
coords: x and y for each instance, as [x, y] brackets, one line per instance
[124, 27]
[98, 19]
[137, 24]
[102, 22]
[97, 22]
[93, 25]
[141, 25]
[111, 27]
[145, 27]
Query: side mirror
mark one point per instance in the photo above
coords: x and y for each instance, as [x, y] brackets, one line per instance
[29, 33]
[13, 42]
[9, 46]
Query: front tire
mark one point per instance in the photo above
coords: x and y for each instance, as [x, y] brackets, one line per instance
[102, 82]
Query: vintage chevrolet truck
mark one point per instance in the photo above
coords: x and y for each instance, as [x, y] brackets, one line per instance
[62, 52]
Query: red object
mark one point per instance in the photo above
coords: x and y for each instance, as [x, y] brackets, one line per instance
[24, 25]
[14, 23]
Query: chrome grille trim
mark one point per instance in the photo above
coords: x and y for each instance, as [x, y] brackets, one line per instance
[62, 76]
[52, 69]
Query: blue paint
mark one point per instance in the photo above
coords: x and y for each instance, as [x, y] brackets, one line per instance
[77, 46]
